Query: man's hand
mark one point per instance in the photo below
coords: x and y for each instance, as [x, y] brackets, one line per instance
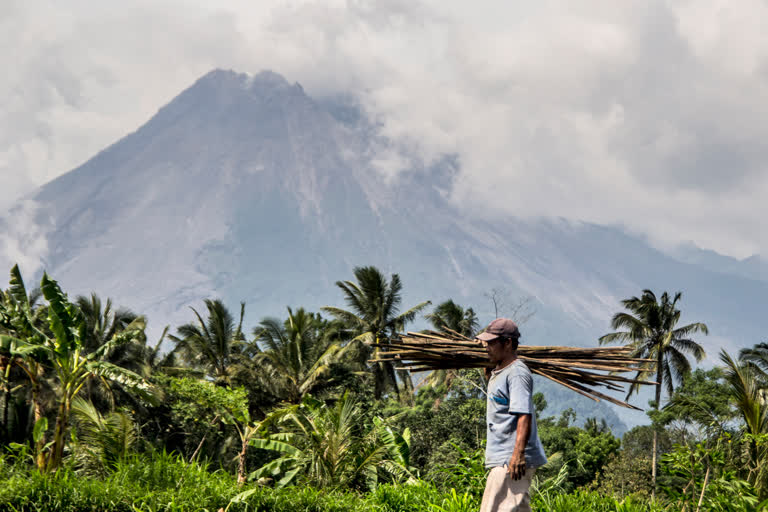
[516, 466]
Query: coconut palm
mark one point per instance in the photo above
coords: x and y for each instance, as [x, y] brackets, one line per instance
[651, 330]
[301, 353]
[156, 360]
[757, 359]
[374, 317]
[103, 322]
[214, 344]
[448, 318]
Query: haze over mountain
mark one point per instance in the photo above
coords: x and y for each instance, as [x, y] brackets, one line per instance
[246, 188]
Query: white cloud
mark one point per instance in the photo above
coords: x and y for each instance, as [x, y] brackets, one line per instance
[648, 114]
[23, 239]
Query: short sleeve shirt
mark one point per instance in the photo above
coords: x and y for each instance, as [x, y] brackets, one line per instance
[510, 394]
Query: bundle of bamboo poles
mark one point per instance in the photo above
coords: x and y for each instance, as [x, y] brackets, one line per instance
[578, 369]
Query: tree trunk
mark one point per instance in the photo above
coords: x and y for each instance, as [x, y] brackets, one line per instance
[37, 405]
[241, 464]
[389, 367]
[6, 437]
[392, 375]
[4, 370]
[407, 387]
[703, 488]
[38, 409]
[6, 428]
[659, 377]
[57, 450]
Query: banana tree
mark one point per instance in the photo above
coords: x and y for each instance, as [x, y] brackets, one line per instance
[398, 446]
[23, 346]
[15, 352]
[72, 368]
[247, 431]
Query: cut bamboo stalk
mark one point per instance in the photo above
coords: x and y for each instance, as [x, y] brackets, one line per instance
[563, 383]
[573, 367]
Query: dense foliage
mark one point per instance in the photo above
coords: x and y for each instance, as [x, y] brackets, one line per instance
[93, 416]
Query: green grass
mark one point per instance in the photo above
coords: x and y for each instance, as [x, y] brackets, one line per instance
[590, 501]
[165, 483]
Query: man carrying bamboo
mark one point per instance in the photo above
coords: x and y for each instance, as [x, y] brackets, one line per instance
[513, 450]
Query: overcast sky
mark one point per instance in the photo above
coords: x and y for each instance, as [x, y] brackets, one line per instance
[648, 114]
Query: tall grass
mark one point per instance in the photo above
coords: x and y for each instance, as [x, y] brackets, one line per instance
[593, 502]
[162, 482]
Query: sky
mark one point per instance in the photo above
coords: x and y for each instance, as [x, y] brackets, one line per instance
[646, 114]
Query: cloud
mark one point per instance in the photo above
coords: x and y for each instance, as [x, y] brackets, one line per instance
[23, 239]
[646, 114]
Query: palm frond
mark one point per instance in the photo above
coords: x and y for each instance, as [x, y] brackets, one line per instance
[687, 330]
[400, 321]
[688, 346]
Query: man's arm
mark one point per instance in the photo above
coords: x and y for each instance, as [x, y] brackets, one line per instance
[516, 465]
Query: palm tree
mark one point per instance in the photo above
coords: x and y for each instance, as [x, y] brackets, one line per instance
[748, 395]
[103, 323]
[651, 331]
[757, 359]
[449, 318]
[214, 344]
[300, 353]
[160, 361]
[374, 317]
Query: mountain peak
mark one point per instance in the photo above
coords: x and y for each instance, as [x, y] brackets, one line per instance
[228, 80]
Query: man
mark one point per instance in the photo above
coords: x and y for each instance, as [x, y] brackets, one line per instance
[513, 450]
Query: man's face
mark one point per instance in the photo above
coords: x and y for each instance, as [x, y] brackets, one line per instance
[497, 349]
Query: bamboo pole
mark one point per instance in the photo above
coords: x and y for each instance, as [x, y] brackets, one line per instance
[572, 367]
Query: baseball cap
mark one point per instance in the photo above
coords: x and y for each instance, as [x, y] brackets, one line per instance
[499, 328]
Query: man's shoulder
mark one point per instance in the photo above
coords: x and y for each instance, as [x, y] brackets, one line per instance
[519, 369]
[516, 369]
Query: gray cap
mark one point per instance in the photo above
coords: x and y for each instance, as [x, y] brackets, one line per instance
[499, 328]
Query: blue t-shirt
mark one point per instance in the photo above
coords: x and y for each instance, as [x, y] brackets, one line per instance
[510, 393]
